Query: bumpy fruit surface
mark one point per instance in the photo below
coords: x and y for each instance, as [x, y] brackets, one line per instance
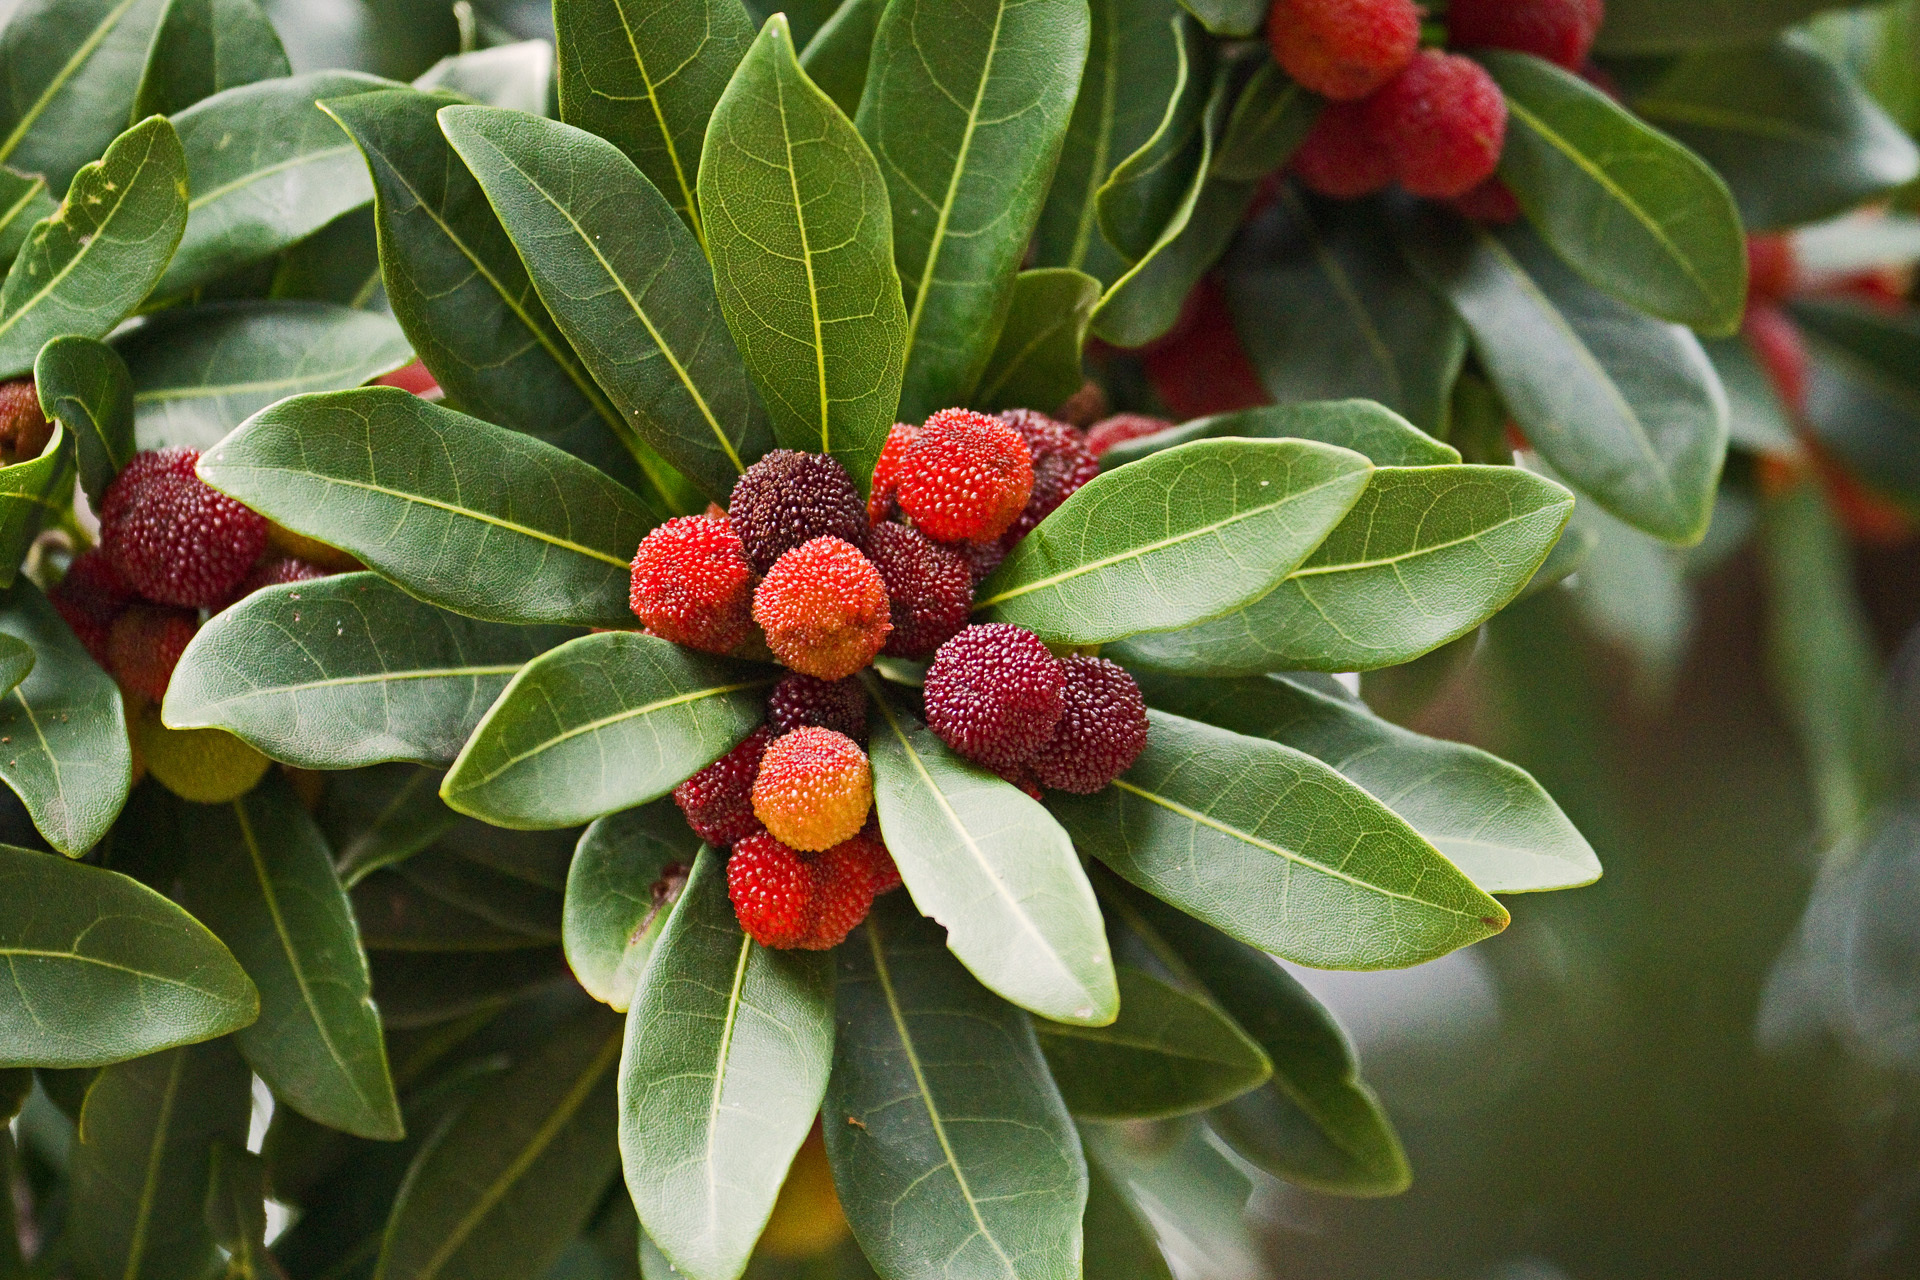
[1560, 31]
[879, 859]
[692, 584]
[276, 571]
[718, 800]
[929, 589]
[883, 498]
[173, 538]
[206, 766]
[824, 608]
[814, 789]
[1443, 122]
[1343, 49]
[24, 430]
[145, 646]
[994, 694]
[772, 891]
[965, 477]
[789, 498]
[1340, 157]
[1062, 463]
[1102, 729]
[798, 702]
[1120, 428]
[90, 597]
[842, 894]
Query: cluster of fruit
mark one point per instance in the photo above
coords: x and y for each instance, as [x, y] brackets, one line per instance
[1434, 122]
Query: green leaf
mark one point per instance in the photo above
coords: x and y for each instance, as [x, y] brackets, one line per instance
[985, 860]
[1175, 539]
[1120, 1244]
[31, 493]
[1624, 406]
[1146, 187]
[1863, 396]
[71, 70]
[1037, 360]
[338, 263]
[838, 55]
[1383, 436]
[347, 671]
[396, 914]
[1426, 555]
[619, 891]
[1490, 818]
[84, 385]
[428, 990]
[102, 969]
[378, 816]
[23, 202]
[1660, 26]
[141, 1164]
[728, 1048]
[263, 880]
[493, 895]
[966, 107]
[471, 517]
[646, 75]
[1757, 420]
[517, 76]
[1636, 214]
[83, 269]
[1229, 17]
[63, 733]
[1271, 118]
[199, 372]
[1297, 861]
[801, 238]
[601, 724]
[204, 46]
[16, 662]
[500, 1189]
[1168, 1055]
[952, 1151]
[236, 1211]
[626, 283]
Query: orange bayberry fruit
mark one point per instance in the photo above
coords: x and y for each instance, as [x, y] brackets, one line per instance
[692, 584]
[798, 702]
[718, 800]
[881, 502]
[788, 498]
[929, 589]
[1343, 49]
[994, 694]
[965, 477]
[145, 646]
[1560, 31]
[172, 537]
[1340, 157]
[1443, 122]
[814, 788]
[1102, 729]
[824, 609]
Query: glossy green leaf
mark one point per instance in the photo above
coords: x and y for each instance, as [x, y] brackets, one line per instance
[645, 75]
[396, 914]
[1636, 214]
[347, 671]
[1659, 26]
[1168, 1055]
[84, 385]
[1146, 187]
[801, 238]
[1625, 406]
[71, 70]
[1175, 539]
[16, 662]
[1229, 17]
[951, 1149]
[601, 724]
[966, 107]
[378, 816]
[728, 1048]
[840, 52]
[23, 202]
[985, 860]
[626, 283]
[498, 1192]
[1120, 1244]
[1426, 555]
[415, 991]
[83, 269]
[1757, 419]
[199, 372]
[101, 968]
[1275, 848]
[338, 263]
[1863, 394]
[1271, 118]
[474, 518]
[63, 735]
[263, 880]
[1178, 1174]
[236, 1211]
[32, 493]
[1037, 361]
[204, 46]
[619, 891]
[1383, 436]
[517, 76]
[488, 893]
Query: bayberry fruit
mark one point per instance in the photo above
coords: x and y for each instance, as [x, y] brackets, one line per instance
[172, 537]
[843, 893]
[1120, 428]
[982, 557]
[994, 694]
[718, 800]
[965, 477]
[824, 609]
[90, 597]
[814, 788]
[206, 766]
[800, 702]
[145, 646]
[929, 589]
[788, 498]
[24, 430]
[882, 501]
[772, 891]
[1343, 49]
[1443, 122]
[1782, 351]
[692, 584]
[1062, 462]
[1340, 156]
[1491, 203]
[879, 859]
[1773, 268]
[275, 571]
[1560, 31]
[1102, 729]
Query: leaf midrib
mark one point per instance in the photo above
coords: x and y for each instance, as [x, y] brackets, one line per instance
[1357, 566]
[692, 204]
[85, 250]
[156, 1152]
[373, 677]
[723, 1061]
[252, 176]
[80, 55]
[1159, 1048]
[42, 953]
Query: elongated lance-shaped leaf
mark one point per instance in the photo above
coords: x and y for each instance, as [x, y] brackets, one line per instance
[952, 1151]
[965, 107]
[263, 879]
[84, 385]
[1232, 18]
[1178, 538]
[1271, 118]
[626, 283]
[987, 862]
[1383, 436]
[395, 913]
[65, 753]
[1275, 848]
[1426, 555]
[237, 1210]
[1148, 186]
[17, 660]
[489, 894]
[629, 870]
[801, 237]
[1038, 357]
[101, 968]
[601, 724]
[728, 1047]
[500, 1189]
[23, 202]
[381, 815]
[204, 46]
[83, 269]
[31, 493]
[838, 55]
[71, 70]
[339, 263]
[346, 672]
[1655, 26]
[518, 76]
[1120, 1241]
[474, 518]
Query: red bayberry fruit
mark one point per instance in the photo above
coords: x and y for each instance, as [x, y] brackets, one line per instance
[718, 800]
[90, 597]
[1062, 462]
[1102, 729]
[788, 498]
[1340, 156]
[277, 571]
[879, 859]
[772, 891]
[173, 538]
[993, 694]
[1442, 121]
[1343, 49]
[692, 584]
[1560, 31]
[1781, 350]
[24, 430]
[824, 609]
[814, 788]
[1773, 268]
[965, 477]
[843, 893]
[882, 501]
[982, 557]
[1492, 203]
[1204, 370]
[1022, 777]
[1120, 428]
[929, 589]
[799, 702]
[145, 646]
